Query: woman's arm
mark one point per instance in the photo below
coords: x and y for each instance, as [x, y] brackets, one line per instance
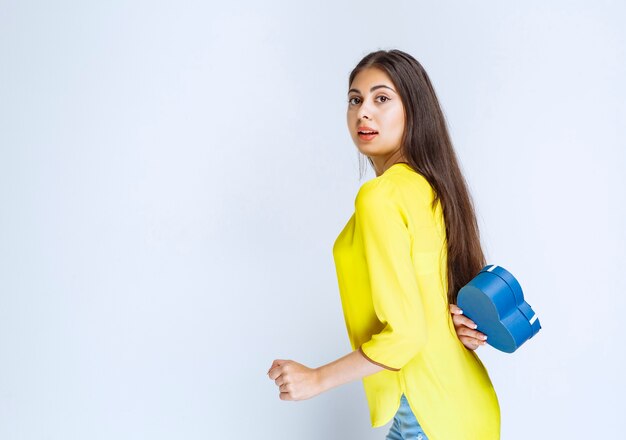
[465, 329]
[298, 382]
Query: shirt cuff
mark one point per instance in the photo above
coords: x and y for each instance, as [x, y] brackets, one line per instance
[377, 363]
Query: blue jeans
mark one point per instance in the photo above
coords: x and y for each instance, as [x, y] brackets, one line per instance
[405, 425]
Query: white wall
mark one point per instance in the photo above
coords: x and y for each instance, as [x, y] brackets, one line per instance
[173, 176]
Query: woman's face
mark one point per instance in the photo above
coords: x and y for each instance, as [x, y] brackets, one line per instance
[374, 106]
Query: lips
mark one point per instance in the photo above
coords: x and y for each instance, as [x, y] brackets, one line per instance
[366, 133]
[366, 130]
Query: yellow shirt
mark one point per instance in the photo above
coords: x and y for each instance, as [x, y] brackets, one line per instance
[391, 268]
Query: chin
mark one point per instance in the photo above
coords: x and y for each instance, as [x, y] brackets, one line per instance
[371, 151]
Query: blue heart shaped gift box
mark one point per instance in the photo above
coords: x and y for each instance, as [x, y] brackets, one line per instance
[494, 300]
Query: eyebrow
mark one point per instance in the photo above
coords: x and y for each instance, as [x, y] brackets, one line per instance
[373, 88]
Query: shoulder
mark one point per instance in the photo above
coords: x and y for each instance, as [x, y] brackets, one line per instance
[377, 192]
[379, 204]
[394, 188]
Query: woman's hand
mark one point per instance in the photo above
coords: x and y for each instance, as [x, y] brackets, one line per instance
[464, 326]
[294, 380]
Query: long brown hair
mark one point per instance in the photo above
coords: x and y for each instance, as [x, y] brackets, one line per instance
[428, 149]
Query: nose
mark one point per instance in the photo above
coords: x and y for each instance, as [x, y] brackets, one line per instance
[364, 112]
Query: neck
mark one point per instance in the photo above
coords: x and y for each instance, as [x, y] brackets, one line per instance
[382, 164]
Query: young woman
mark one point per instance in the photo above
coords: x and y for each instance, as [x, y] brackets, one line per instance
[402, 257]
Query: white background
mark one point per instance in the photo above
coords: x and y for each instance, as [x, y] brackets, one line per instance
[173, 176]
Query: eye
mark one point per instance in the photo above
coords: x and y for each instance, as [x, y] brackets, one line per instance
[350, 101]
[384, 98]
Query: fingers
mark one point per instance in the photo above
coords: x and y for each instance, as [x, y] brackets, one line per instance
[474, 334]
[459, 320]
[471, 343]
[466, 329]
[285, 389]
[275, 373]
[455, 309]
[276, 363]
